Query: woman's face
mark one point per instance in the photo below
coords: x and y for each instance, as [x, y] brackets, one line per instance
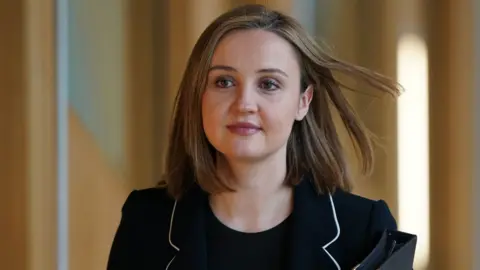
[253, 95]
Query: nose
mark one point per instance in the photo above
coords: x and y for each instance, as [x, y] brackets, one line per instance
[246, 99]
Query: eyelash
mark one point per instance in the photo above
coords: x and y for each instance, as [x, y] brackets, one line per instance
[220, 80]
[274, 83]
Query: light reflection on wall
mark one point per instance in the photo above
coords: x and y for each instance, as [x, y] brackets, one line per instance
[413, 143]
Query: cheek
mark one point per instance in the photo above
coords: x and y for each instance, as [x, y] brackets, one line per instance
[212, 112]
[279, 119]
[207, 113]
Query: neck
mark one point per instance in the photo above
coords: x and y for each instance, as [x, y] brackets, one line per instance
[260, 201]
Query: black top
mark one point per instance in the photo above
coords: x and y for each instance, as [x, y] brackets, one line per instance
[264, 250]
[329, 231]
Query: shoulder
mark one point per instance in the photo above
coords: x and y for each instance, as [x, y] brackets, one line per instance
[353, 208]
[146, 203]
[146, 216]
[361, 222]
[141, 236]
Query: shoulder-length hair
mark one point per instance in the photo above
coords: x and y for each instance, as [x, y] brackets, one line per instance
[314, 145]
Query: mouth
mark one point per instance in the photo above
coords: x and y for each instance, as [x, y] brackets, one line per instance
[244, 128]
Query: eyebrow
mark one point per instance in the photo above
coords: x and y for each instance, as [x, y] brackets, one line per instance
[263, 70]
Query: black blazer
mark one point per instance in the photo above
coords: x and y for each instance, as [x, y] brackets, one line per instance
[334, 231]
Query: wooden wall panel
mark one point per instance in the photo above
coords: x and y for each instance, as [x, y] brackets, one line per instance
[97, 193]
[450, 31]
[13, 139]
[27, 136]
[140, 105]
[41, 119]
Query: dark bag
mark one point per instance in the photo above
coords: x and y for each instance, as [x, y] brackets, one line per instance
[394, 251]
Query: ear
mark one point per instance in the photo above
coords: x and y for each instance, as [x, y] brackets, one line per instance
[304, 103]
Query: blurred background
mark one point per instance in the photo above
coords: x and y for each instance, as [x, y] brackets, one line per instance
[86, 89]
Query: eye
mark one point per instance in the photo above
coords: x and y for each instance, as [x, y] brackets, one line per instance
[224, 83]
[269, 85]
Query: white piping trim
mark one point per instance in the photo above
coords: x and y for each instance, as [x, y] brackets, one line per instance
[170, 229]
[324, 247]
[170, 235]
[168, 265]
[338, 233]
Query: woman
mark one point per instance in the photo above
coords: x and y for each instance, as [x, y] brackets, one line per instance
[256, 177]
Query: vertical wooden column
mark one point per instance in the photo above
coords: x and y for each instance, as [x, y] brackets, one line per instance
[476, 115]
[13, 138]
[450, 30]
[27, 136]
[140, 90]
[41, 144]
[162, 94]
[202, 14]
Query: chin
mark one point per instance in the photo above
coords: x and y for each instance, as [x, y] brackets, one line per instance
[244, 158]
[243, 155]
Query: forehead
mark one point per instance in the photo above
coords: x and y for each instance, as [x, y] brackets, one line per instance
[255, 49]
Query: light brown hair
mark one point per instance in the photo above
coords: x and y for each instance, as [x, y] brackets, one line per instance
[314, 145]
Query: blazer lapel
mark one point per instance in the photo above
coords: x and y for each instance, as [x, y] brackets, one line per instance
[187, 232]
[314, 229]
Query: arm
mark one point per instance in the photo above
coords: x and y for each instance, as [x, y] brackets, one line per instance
[124, 250]
[380, 219]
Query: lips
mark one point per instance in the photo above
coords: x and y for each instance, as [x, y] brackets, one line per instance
[243, 128]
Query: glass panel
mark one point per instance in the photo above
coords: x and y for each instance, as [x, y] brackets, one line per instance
[97, 79]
